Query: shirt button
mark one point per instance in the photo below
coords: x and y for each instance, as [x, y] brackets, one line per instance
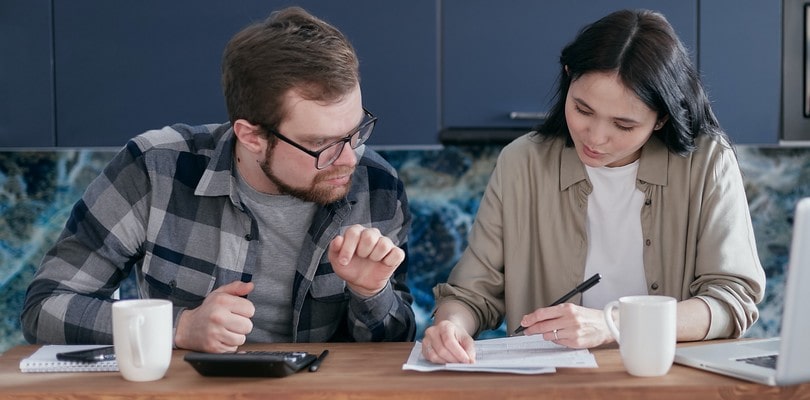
[648, 242]
[647, 202]
[654, 286]
[248, 237]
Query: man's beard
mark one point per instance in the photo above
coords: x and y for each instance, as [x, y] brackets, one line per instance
[314, 193]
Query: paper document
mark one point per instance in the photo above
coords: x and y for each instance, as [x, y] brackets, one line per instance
[514, 355]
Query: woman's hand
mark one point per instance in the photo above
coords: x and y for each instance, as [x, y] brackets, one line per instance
[569, 325]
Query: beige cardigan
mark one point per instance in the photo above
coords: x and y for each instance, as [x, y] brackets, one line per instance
[528, 244]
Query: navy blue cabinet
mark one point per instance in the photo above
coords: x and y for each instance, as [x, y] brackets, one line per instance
[81, 73]
[740, 58]
[125, 67]
[500, 59]
[499, 62]
[26, 74]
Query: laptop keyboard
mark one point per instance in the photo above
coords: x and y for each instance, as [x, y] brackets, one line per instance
[762, 361]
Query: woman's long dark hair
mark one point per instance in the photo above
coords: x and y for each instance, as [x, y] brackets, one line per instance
[642, 47]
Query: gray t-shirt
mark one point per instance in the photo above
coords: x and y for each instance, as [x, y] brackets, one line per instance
[282, 222]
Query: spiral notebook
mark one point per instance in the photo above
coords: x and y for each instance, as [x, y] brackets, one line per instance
[44, 360]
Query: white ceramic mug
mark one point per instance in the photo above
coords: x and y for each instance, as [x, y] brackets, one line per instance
[646, 334]
[142, 335]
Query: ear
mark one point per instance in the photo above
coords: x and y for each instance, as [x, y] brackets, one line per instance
[661, 122]
[249, 136]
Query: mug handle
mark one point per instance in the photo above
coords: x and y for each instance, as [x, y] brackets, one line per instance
[135, 343]
[608, 310]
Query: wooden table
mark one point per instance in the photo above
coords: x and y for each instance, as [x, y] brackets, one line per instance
[374, 371]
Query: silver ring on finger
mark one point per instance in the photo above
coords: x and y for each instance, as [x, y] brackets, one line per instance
[555, 335]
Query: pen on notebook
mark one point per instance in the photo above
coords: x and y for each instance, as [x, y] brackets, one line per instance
[317, 363]
[579, 289]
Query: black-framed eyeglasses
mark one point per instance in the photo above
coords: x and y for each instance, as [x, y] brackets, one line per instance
[327, 155]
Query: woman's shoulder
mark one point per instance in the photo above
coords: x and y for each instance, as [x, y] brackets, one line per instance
[534, 158]
[713, 156]
[713, 148]
[531, 145]
[705, 147]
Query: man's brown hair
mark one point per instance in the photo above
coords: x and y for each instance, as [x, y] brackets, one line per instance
[291, 49]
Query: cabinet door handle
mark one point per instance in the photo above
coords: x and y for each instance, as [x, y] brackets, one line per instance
[532, 115]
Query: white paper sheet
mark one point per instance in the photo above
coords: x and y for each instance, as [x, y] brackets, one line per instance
[514, 355]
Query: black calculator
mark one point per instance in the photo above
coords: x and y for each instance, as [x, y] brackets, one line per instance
[272, 364]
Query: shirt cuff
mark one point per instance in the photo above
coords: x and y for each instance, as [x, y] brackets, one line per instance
[179, 310]
[371, 310]
[721, 325]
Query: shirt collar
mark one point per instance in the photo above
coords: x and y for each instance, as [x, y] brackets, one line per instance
[653, 164]
[218, 179]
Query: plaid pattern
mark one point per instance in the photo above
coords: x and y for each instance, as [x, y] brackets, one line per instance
[167, 207]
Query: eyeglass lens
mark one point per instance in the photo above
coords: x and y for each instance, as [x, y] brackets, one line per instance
[330, 154]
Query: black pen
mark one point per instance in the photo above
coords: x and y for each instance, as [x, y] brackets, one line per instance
[317, 363]
[579, 289]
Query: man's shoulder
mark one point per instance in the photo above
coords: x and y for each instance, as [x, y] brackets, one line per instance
[375, 176]
[182, 138]
[373, 161]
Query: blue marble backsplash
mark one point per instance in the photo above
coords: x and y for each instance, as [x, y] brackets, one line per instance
[444, 185]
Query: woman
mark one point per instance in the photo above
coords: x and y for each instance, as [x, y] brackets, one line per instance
[630, 177]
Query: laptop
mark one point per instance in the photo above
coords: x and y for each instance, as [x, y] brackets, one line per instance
[777, 361]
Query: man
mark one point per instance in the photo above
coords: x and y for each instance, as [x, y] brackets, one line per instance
[279, 226]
